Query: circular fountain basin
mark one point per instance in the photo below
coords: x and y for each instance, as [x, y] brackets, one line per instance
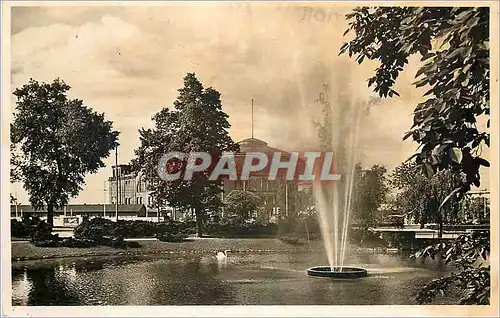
[337, 272]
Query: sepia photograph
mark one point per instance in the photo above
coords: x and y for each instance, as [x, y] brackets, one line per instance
[246, 158]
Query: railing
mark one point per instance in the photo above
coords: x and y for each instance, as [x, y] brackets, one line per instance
[130, 218]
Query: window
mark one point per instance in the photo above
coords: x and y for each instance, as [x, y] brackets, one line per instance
[142, 186]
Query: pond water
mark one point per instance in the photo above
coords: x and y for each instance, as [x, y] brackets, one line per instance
[246, 279]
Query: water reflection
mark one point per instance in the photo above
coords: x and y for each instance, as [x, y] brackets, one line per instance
[46, 283]
[246, 279]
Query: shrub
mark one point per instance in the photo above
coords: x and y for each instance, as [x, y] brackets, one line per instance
[169, 237]
[55, 241]
[110, 233]
[17, 229]
[133, 244]
[291, 240]
[240, 229]
[242, 204]
[28, 226]
[306, 227]
[367, 238]
[95, 229]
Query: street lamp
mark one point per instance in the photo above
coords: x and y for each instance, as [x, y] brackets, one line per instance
[104, 202]
[117, 179]
[16, 204]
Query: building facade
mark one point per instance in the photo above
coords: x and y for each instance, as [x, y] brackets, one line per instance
[129, 187]
[278, 196]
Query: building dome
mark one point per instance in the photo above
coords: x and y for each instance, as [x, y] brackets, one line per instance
[252, 141]
[255, 145]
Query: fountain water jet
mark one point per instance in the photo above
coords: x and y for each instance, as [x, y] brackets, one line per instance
[333, 201]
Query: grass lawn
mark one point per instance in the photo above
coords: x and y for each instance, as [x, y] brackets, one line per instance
[27, 251]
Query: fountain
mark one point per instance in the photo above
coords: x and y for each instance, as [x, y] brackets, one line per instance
[333, 200]
[337, 272]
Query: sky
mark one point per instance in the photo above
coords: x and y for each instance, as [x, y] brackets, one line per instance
[129, 62]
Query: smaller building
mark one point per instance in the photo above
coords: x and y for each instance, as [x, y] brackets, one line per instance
[131, 187]
[126, 211]
[128, 186]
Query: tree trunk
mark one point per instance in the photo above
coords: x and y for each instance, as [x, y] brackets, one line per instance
[199, 221]
[50, 215]
[440, 222]
[307, 233]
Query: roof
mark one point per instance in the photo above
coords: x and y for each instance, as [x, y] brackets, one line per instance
[81, 208]
[256, 145]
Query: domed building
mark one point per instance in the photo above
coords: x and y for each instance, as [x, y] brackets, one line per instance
[278, 195]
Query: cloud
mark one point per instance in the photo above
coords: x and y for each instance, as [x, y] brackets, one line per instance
[129, 62]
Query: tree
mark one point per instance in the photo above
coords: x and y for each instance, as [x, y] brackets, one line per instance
[469, 253]
[243, 204]
[454, 44]
[370, 193]
[196, 124]
[55, 142]
[420, 196]
[474, 208]
[304, 201]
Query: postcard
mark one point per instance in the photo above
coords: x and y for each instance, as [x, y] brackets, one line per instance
[246, 158]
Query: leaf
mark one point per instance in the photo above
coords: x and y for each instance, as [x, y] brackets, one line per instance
[420, 71]
[343, 48]
[421, 82]
[371, 81]
[463, 14]
[431, 91]
[428, 56]
[428, 169]
[455, 53]
[412, 156]
[482, 162]
[456, 155]
[438, 150]
[408, 134]
[448, 197]
[484, 253]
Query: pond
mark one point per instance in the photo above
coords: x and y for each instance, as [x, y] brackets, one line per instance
[246, 279]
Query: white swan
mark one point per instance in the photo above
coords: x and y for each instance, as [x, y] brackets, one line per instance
[222, 256]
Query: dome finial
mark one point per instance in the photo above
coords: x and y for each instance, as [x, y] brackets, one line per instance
[252, 118]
